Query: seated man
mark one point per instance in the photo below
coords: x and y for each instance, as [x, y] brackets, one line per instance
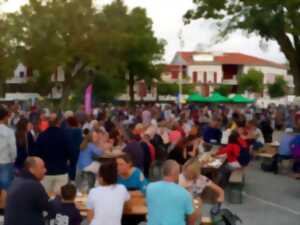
[168, 203]
[27, 198]
[212, 134]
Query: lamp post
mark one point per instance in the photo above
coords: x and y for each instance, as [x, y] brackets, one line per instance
[181, 43]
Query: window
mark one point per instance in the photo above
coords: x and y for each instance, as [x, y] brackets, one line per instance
[215, 77]
[195, 77]
[205, 77]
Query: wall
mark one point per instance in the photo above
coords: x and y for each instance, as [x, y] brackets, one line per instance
[209, 69]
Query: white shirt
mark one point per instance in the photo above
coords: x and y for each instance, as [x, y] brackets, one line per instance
[107, 203]
[8, 148]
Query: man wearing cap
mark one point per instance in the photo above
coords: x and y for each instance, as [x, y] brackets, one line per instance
[8, 151]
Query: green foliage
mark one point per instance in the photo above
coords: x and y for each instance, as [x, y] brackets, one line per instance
[173, 89]
[278, 88]
[223, 89]
[271, 19]
[83, 40]
[251, 81]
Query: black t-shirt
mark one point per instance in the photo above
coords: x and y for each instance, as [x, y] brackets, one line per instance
[177, 155]
[65, 214]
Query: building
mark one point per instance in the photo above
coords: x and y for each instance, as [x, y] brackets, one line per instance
[210, 69]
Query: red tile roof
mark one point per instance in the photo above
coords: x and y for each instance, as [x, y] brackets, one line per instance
[230, 59]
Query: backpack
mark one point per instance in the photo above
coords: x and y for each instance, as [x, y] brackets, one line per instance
[224, 217]
[270, 166]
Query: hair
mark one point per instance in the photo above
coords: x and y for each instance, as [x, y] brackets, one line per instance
[126, 157]
[168, 167]
[234, 138]
[194, 164]
[72, 121]
[108, 172]
[29, 163]
[68, 192]
[21, 132]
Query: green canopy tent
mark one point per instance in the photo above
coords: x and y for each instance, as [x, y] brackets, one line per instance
[195, 97]
[239, 99]
[218, 98]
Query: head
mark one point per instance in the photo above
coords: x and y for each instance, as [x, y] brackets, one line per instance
[108, 173]
[36, 167]
[191, 169]
[171, 170]
[124, 163]
[234, 138]
[53, 120]
[68, 192]
[4, 115]
[215, 122]
[72, 122]
[97, 135]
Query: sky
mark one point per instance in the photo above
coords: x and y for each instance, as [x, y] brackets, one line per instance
[199, 35]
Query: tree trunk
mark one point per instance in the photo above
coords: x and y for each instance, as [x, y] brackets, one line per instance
[131, 88]
[292, 54]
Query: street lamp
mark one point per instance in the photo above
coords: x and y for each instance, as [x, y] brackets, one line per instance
[181, 44]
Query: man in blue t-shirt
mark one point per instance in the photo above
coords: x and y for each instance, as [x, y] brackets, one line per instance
[168, 203]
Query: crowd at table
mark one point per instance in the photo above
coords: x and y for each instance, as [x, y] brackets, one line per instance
[48, 159]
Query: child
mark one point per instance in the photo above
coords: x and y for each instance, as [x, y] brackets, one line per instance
[65, 211]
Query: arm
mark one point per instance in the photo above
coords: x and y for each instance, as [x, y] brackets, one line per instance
[12, 146]
[90, 215]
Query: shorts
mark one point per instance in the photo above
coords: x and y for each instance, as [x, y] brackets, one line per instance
[6, 175]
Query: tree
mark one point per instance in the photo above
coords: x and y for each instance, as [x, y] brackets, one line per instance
[83, 40]
[173, 89]
[278, 88]
[223, 89]
[272, 20]
[251, 81]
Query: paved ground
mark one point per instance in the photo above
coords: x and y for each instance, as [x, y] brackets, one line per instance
[268, 199]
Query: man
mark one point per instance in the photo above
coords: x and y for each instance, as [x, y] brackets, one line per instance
[168, 203]
[27, 199]
[54, 148]
[8, 151]
[212, 134]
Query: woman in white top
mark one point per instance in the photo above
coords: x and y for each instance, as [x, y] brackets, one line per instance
[105, 203]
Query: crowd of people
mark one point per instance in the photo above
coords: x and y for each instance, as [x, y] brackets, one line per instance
[44, 154]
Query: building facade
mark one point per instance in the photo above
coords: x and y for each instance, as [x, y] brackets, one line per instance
[209, 69]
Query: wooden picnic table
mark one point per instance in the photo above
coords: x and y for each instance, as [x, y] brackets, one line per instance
[135, 206]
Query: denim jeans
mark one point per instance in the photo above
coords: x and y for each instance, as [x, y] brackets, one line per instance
[6, 175]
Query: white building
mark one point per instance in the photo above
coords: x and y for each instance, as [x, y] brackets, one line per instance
[210, 69]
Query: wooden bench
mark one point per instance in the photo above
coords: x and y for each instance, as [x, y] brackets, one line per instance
[236, 184]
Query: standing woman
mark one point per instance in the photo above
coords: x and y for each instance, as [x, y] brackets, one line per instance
[24, 141]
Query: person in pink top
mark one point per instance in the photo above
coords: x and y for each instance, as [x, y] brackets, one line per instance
[175, 135]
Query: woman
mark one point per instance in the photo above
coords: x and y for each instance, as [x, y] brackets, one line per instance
[105, 203]
[195, 183]
[232, 151]
[89, 149]
[131, 177]
[75, 137]
[24, 141]
[184, 150]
